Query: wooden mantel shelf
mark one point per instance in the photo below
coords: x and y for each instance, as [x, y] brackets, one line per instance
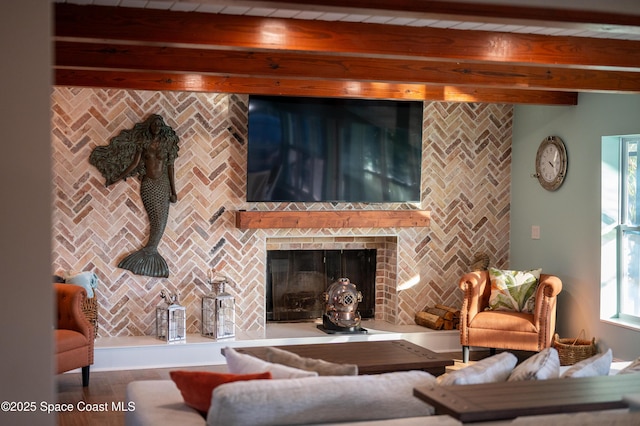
[332, 219]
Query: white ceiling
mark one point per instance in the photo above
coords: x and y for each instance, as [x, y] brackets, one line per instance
[255, 8]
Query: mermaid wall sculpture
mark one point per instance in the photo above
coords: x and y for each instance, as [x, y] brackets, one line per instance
[148, 151]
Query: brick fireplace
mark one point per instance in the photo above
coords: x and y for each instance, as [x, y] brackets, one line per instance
[384, 284]
[465, 185]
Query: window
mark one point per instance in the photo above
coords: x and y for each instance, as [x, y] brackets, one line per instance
[620, 224]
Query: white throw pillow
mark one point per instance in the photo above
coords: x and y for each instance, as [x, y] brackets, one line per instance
[597, 365]
[541, 366]
[238, 363]
[322, 367]
[493, 369]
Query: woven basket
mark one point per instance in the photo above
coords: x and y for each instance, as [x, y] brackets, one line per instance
[90, 310]
[572, 350]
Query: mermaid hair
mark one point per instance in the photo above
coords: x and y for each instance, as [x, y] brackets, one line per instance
[113, 159]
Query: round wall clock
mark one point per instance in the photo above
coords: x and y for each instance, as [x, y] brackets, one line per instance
[551, 163]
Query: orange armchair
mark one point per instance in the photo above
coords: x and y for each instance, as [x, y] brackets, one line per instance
[73, 333]
[503, 329]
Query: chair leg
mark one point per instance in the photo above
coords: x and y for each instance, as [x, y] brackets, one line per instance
[85, 376]
[465, 354]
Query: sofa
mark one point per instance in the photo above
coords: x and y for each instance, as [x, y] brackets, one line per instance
[377, 399]
[73, 334]
[381, 399]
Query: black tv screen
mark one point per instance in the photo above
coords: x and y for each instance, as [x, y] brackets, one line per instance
[333, 150]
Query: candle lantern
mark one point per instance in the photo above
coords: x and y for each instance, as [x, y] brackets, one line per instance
[171, 319]
[218, 310]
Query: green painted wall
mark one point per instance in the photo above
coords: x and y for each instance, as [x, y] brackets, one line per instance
[569, 218]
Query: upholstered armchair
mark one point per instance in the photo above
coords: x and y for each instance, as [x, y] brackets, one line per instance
[73, 333]
[504, 329]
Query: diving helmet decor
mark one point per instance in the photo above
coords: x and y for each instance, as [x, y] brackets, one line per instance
[341, 314]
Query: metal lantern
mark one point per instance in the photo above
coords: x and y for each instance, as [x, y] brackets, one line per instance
[171, 320]
[218, 310]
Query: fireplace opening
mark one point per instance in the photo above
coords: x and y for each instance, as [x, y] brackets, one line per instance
[297, 280]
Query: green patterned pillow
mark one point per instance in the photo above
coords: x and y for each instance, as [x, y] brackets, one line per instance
[513, 290]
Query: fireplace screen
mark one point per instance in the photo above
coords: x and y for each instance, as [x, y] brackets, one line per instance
[297, 279]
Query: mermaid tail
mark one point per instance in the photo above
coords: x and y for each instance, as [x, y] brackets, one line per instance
[147, 261]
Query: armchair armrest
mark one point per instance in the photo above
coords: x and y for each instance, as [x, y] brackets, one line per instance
[474, 285]
[550, 286]
[70, 316]
[544, 315]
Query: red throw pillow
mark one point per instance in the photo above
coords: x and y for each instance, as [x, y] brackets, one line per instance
[196, 387]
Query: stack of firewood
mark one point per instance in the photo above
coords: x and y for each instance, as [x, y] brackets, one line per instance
[439, 317]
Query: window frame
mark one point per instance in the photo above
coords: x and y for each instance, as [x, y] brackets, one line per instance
[615, 159]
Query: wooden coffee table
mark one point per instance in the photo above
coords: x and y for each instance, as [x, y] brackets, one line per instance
[371, 357]
[508, 400]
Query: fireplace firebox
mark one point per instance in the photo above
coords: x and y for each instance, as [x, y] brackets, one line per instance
[297, 280]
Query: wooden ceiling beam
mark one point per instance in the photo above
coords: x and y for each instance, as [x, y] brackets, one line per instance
[373, 40]
[102, 56]
[604, 20]
[302, 87]
[162, 50]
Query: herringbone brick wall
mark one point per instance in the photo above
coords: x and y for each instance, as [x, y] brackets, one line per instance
[465, 185]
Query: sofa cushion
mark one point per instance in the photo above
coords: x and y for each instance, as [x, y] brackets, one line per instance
[513, 290]
[68, 340]
[322, 367]
[196, 386]
[158, 402]
[238, 363]
[507, 321]
[541, 366]
[321, 399]
[496, 368]
[597, 365]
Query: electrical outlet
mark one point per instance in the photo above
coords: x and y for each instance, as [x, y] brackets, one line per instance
[535, 232]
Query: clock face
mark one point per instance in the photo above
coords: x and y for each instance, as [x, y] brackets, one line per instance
[551, 163]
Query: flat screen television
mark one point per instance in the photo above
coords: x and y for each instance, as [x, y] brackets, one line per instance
[333, 150]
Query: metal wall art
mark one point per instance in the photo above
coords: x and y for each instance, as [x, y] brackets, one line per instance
[148, 151]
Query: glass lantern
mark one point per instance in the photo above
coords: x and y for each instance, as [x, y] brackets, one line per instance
[171, 320]
[218, 310]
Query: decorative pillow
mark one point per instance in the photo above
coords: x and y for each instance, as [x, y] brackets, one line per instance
[632, 368]
[513, 290]
[496, 368]
[196, 386]
[246, 364]
[541, 366]
[597, 365]
[87, 279]
[322, 367]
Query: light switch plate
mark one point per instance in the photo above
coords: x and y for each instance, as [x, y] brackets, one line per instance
[535, 232]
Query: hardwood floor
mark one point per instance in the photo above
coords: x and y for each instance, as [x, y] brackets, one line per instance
[109, 387]
[105, 388]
